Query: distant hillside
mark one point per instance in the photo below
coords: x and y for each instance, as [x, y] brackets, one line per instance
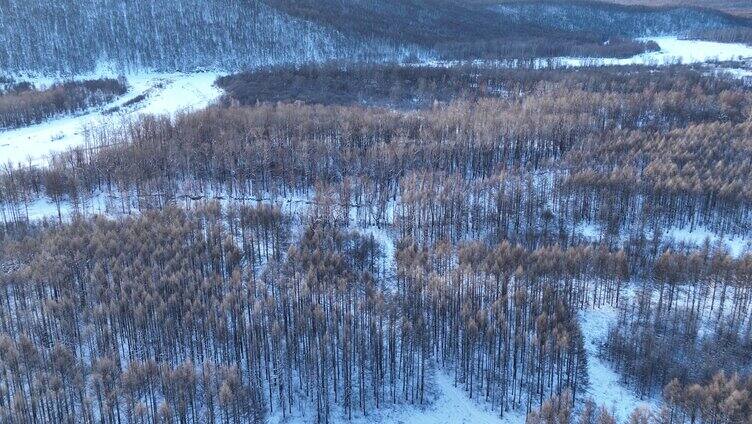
[69, 37]
[54, 37]
[488, 28]
[618, 20]
[736, 7]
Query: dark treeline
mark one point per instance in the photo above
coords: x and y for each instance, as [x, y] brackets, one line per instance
[465, 30]
[620, 20]
[515, 29]
[377, 85]
[394, 85]
[734, 7]
[521, 48]
[23, 105]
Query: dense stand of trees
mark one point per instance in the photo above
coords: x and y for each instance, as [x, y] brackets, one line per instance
[723, 399]
[233, 280]
[143, 326]
[463, 30]
[630, 152]
[697, 322]
[171, 315]
[374, 85]
[211, 314]
[23, 105]
[626, 21]
[735, 7]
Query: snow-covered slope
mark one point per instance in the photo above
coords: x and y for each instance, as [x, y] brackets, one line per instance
[616, 20]
[155, 93]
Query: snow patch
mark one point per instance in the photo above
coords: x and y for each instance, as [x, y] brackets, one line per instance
[736, 245]
[386, 243]
[588, 231]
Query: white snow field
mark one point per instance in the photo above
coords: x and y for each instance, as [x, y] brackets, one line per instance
[675, 51]
[164, 93]
[736, 245]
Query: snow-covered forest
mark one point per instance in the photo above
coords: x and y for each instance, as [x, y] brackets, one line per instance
[424, 211]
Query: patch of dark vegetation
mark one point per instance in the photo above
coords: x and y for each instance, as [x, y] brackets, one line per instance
[419, 87]
[387, 85]
[543, 47]
[22, 104]
[136, 100]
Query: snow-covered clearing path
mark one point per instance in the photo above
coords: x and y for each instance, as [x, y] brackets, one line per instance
[606, 387]
[447, 404]
[154, 93]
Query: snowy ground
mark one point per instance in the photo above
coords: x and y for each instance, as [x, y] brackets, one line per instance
[448, 404]
[676, 51]
[736, 245]
[606, 387]
[386, 243]
[163, 94]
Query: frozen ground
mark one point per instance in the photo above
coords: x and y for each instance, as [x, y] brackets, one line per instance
[162, 94]
[606, 387]
[736, 245]
[590, 232]
[676, 51]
